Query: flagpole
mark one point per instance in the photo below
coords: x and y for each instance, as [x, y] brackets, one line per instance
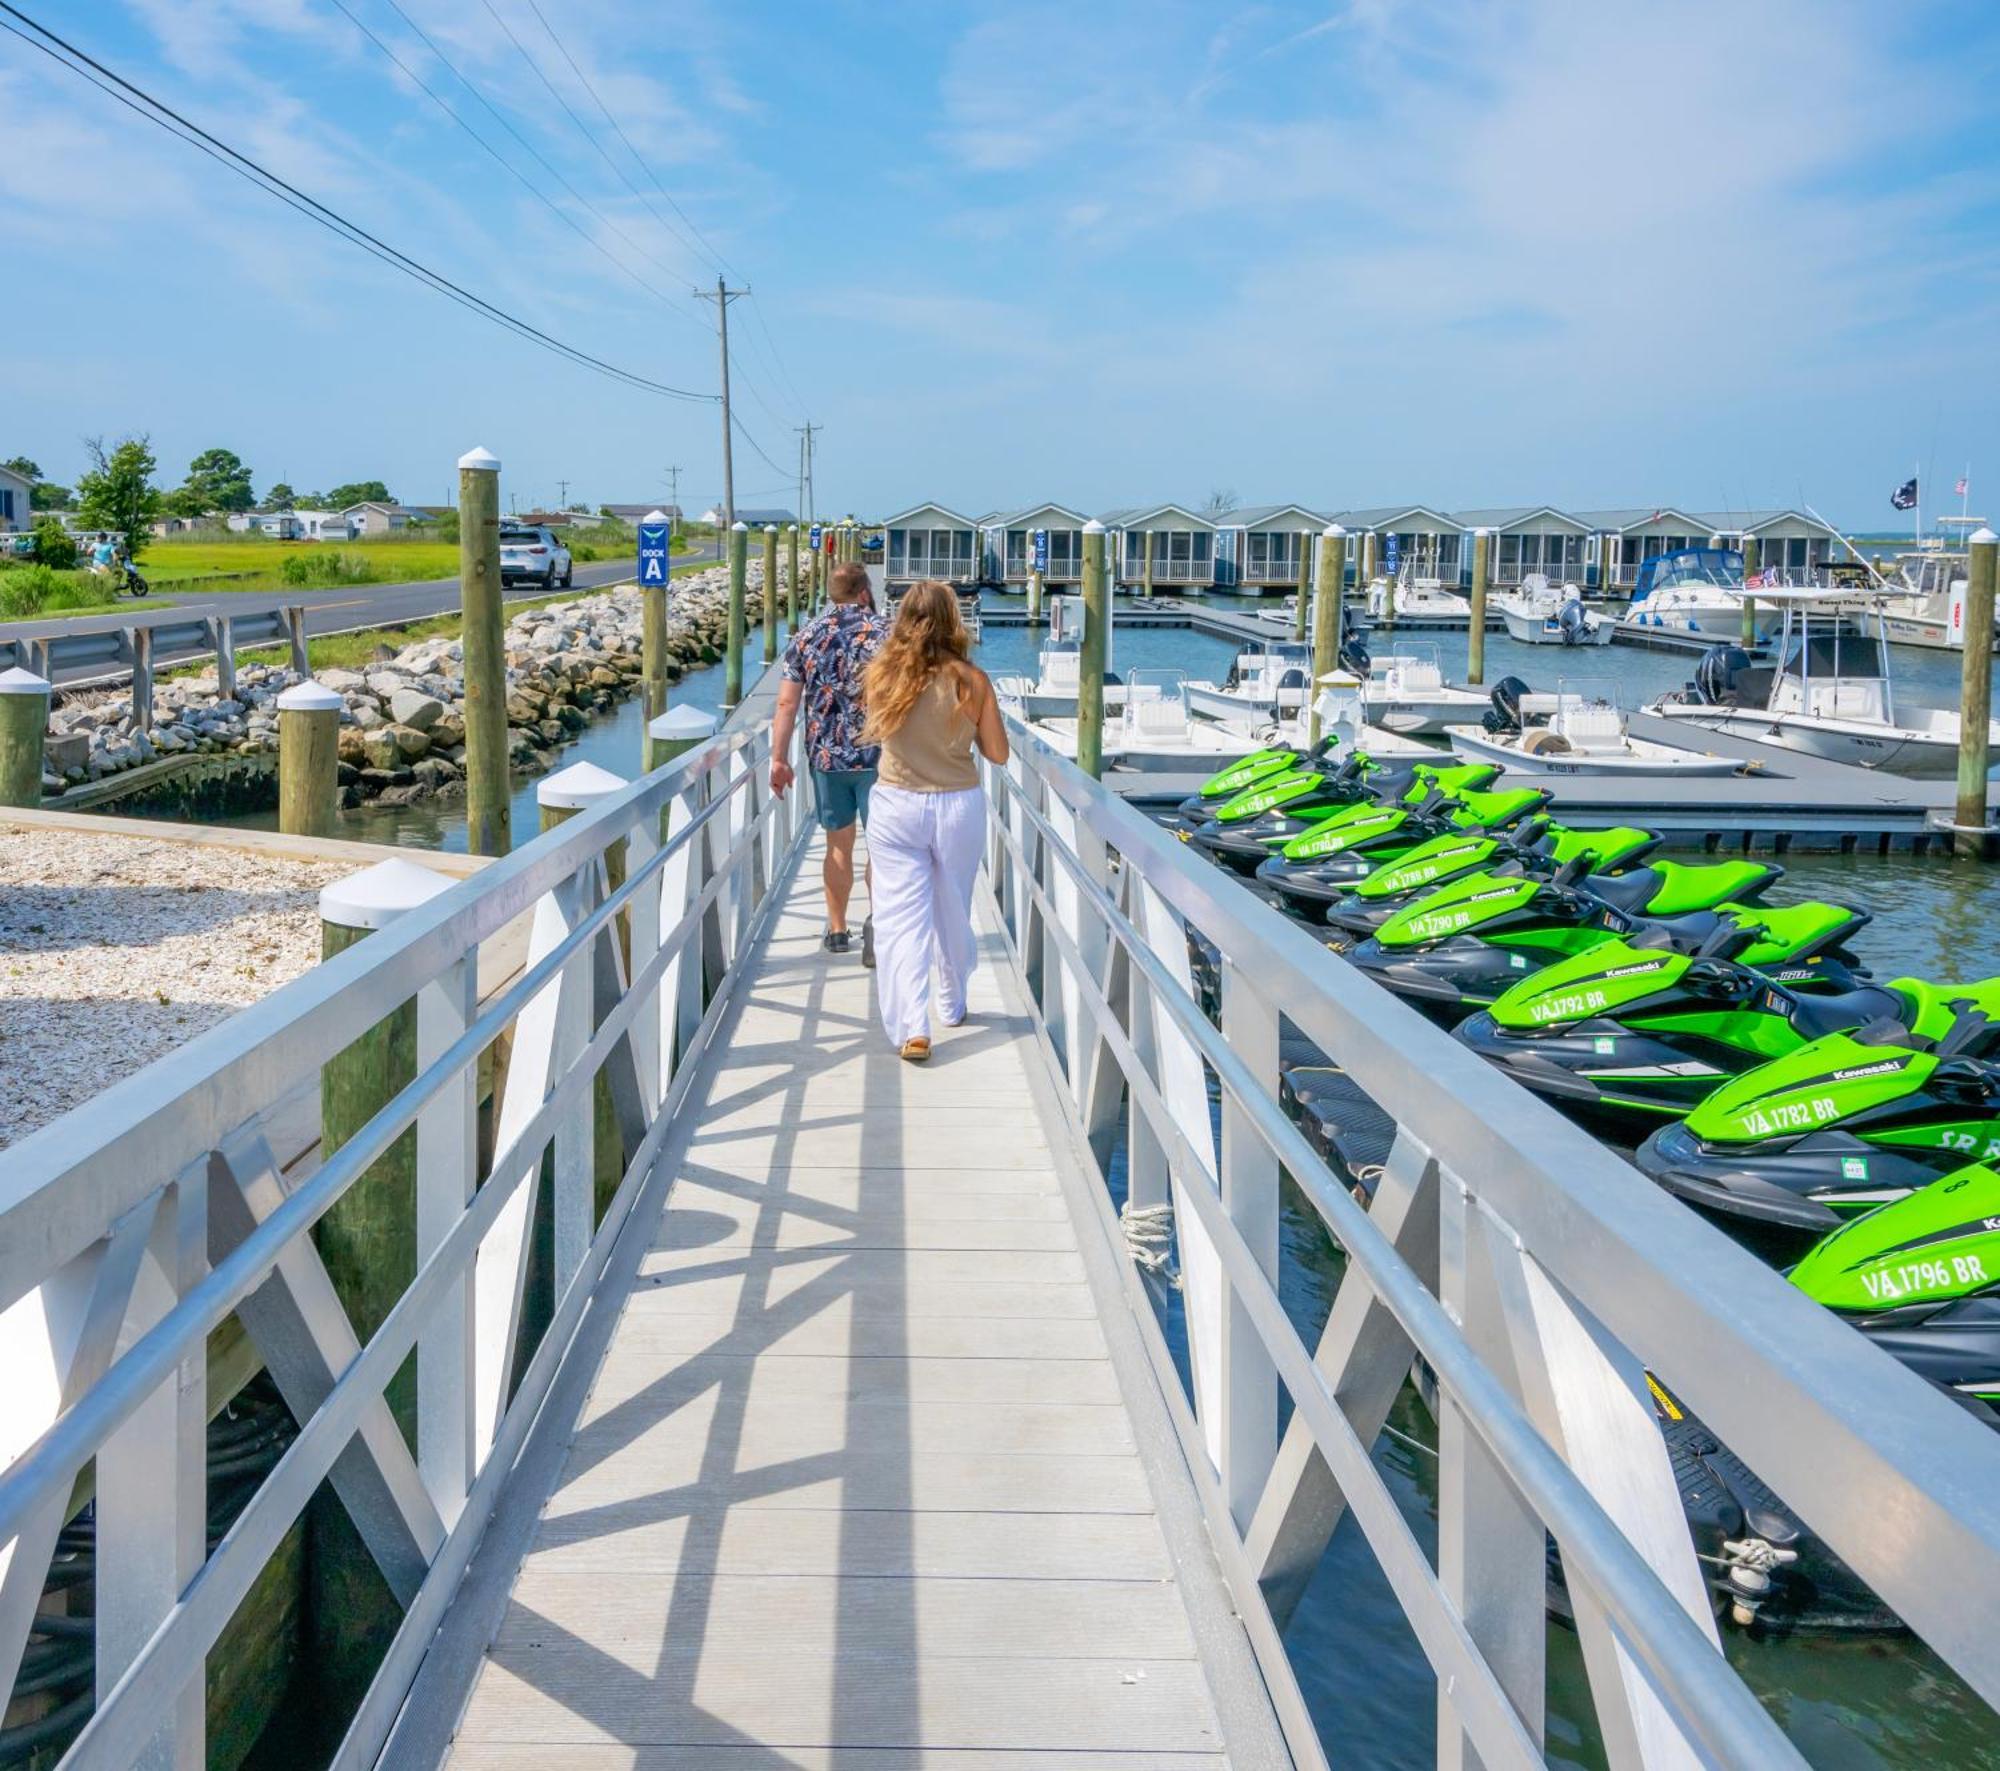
[1917, 510]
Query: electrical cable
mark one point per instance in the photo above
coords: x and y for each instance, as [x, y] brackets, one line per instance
[163, 116]
[784, 374]
[743, 432]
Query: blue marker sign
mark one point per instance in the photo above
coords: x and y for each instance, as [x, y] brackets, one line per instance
[814, 542]
[1041, 550]
[1389, 555]
[655, 545]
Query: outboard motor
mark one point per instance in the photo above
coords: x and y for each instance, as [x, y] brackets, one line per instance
[1574, 623]
[1354, 653]
[1715, 675]
[1505, 713]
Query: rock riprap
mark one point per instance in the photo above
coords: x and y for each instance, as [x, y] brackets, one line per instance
[402, 728]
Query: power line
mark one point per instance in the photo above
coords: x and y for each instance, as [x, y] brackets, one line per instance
[141, 103]
[714, 257]
[784, 375]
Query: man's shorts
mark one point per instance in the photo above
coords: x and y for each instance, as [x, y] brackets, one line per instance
[842, 796]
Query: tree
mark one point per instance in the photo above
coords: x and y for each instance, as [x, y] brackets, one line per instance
[53, 546]
[47, 495]
[358, 492]
[220, 480]
[118, 492]
[281, 496]
[21, 465]
[1220, 503]
[185, 501]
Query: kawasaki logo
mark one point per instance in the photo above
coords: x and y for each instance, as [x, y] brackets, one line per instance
[1887, 1067]
[1635, 971]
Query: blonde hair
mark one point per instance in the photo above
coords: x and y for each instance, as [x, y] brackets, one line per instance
[928, 636]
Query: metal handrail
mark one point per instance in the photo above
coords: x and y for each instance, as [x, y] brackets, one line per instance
[1845, 1434]
[184, 1111]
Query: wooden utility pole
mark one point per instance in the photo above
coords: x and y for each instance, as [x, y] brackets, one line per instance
[722, 297]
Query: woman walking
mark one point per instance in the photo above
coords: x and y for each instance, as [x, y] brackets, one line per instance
[927, 707]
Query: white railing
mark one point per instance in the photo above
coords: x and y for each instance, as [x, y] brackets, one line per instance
[1531, 1274]
[1271, 572]
[133, 1228]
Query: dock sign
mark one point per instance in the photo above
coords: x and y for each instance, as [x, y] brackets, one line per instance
[1390, 552]
[1041, 550]
[812, 539]
[655, 544]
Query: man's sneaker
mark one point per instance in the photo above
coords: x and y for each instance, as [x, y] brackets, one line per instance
[868, 941]
[836, 941]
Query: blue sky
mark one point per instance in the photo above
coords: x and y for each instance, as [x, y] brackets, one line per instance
[1591, 252]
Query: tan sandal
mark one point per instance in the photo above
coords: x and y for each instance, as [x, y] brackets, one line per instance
[916, 1051]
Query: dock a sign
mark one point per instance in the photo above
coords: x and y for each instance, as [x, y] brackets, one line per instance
[655, 545]
[1041, 550]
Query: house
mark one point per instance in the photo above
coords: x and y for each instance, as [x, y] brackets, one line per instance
[638, 513]
[1623, 539]
[1007, 544]
[930, 541]
[325, 525]
[1183, 545]
[16, 500]
[279, 525]
[1265, 545]
[1782, 540]
[1528, 538]
[1413, 536]
[750, 519]
[372, 518]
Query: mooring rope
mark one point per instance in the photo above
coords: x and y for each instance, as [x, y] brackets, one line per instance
[1149, 1240]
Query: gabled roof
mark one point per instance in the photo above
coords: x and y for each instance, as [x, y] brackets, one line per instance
[903, 518]
[1749, 522]
[1136, 516]
[1639, 516]
[1397, 517]
[19, 479]
[1009, 519]
[1516, 516]
[1256, 516]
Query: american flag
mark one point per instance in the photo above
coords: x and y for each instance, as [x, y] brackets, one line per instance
[1958, 491]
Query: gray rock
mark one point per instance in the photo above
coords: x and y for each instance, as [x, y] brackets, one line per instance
[343, 681]
[410, 708]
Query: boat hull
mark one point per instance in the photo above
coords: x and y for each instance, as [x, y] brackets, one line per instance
[1644, 759]
[1537, 630]
[1921, 756]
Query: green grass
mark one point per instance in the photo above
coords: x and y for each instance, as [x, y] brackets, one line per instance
[257, 562]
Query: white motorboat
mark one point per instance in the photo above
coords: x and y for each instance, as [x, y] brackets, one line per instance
[1923, 602]
[1410, 601]
[1406, 692]
[1267, 678]
[1539, 613]
[1693, 590]
[1155, 729]
[1584, 735]
[1828, 696]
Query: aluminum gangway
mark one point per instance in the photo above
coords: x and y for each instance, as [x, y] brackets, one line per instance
[853, 1425]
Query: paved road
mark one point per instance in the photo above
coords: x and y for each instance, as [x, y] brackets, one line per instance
[327, 611]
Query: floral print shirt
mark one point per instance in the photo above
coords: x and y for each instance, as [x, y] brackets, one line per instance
[826, 658]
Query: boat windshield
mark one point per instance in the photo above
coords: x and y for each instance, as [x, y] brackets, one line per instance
[1720, 566]
[1823, 655]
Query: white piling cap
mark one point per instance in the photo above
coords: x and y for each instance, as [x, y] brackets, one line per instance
[739, 528]
[1980, 538]
[1333, 532]
[22, 682]
[680, 723]
[376, 896]
[1482, 531]
[1093, 527]
[480, 461]
[578, 786]
[654, 516]
[310, 697]
[770, 528]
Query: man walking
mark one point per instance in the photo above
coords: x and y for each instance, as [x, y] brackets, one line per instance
[822, 668]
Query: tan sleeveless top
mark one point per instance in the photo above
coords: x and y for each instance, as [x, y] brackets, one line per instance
[932, 753]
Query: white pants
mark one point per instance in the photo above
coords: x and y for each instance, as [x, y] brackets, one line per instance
[924, 849]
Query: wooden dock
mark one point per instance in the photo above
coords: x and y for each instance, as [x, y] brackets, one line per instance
[871, 1461]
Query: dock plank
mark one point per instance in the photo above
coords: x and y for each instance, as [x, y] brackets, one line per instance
[855, 1483]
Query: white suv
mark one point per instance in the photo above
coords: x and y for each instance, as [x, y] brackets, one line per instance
[533, 555]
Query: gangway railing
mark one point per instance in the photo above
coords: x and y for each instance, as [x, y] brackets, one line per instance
[131, 1229]
[1526, 1273]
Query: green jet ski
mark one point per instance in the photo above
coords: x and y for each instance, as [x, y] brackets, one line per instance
[1539, 847]
[1466, 944]
[1644, 1025]
[1248, 829]
[1266, 765]
[1368, 837]
[1847, 1121]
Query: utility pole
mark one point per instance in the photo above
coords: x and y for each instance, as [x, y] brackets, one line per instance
[562, 495]
[805, 468]
[722, 297]
[674, 494]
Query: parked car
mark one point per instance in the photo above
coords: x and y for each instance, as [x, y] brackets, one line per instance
[534, 556]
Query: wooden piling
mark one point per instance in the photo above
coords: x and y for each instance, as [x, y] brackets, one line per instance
[770, 593]
[142, 679]
[1326, 616]
[1475, 641]
[1301, 613]
[24, 723]
[367, 1242]
[308, 759]
[675, 732]
[1034, 597]
[1750, 567]
[1975, 696]
[1146, 567]
[487, 786]
[1090, 665]
[732, 657]
[653, 648]
[791, 579]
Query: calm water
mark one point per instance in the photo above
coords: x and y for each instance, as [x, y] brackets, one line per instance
[1850, 1706]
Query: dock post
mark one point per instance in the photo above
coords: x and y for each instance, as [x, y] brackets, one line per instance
[1090, 665]
[1326, 617]
[1146, 567]
[1301, 603]
[770, 593]
[222, 636]
[792, 579]
[676, 732]
[1475, 641]
[653, 648]
[295, 633]
[308, 759]
[1034, 597]
[1975, 697]
[24, 723]
[559, 798]
[1751, 566]
[142, 679]
[732, 657]
[367, 1242]
[1364, 574]
[488, 820]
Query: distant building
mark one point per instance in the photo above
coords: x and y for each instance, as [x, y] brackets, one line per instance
[1183, 545]
[1415, 537]
[1529, 538]
[16, 500]
[638, 513]
[1262, 545]
[1787, 540]
[374, 518]
[1007, 544]
[1624, 539]
[279, 525]
[929, 541]
[750, 519]
[326, 525]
